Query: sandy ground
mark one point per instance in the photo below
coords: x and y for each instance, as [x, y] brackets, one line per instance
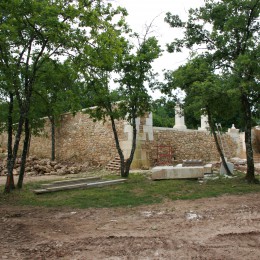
[227, 227]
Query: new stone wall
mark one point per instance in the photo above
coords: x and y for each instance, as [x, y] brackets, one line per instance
[79, 139]
[186, 144]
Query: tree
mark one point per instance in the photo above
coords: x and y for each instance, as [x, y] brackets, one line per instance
[112, 53]
[135, 73]
[56, 91]
[229, 30]
[31, 32]
[163, 112]
[207, 90]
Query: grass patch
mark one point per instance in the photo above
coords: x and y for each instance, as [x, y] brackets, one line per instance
[138, 190]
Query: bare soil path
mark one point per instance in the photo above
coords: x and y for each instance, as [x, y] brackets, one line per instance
[226, 227]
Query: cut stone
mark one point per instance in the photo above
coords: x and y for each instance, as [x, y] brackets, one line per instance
[230, 167]
[180, 172]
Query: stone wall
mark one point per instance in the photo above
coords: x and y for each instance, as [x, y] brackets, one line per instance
[79, 139]
[186, 144]
[256, 139]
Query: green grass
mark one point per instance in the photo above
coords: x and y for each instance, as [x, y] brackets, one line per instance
[138, 190]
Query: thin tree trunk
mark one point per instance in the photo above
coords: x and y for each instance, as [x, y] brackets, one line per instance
[11, 161]
[10, 178]
[52, 138]
[29, 145]
[24, 153]
[250, 174]
[131, 157]
[119, 150]
[212, 126]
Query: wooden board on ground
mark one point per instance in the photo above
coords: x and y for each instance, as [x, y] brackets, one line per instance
[71, 181]
[78, 186]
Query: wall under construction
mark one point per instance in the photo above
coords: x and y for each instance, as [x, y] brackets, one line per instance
[79, 139]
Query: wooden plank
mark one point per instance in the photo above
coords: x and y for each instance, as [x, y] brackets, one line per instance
[79, 186]
[71, 181]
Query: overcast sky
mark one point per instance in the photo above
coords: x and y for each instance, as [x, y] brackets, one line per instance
[142, 12]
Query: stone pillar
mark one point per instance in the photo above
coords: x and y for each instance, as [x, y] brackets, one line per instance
[238, 139]
[233, 130]
[144, 128]
[179, 119]
[204, 123]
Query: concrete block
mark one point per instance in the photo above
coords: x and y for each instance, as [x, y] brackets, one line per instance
[230, 167]
[207, 168]
[175, 172]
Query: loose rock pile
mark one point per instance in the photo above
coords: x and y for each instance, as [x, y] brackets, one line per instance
[36, 166]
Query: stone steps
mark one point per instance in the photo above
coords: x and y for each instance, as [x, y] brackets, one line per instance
[73, 184]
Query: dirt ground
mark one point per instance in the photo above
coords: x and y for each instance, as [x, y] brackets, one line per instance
[227, 227]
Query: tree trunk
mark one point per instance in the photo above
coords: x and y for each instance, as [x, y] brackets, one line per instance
[119, 150]
[131, 157]
[24, 153]
[11, 161]
[212, 127]
[52, 138]
[250, 174]
[10, 178]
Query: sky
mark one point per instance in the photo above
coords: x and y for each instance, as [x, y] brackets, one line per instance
[143, 12]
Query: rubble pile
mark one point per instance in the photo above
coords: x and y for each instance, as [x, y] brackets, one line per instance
[36, 166]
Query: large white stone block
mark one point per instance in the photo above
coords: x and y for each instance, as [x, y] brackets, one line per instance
[177, 172]
[230, 167]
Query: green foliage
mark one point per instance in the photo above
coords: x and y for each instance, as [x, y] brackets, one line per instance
[138, 190]
[204, 89]
[35, 34]
[163, 112]
[135, 73]
[111, 55]
[57, 89]
[229, 32]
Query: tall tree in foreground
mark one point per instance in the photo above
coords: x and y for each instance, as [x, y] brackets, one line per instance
[205, 91]
[129, 100]
[135, 75]
[229, 30]
[31, 32]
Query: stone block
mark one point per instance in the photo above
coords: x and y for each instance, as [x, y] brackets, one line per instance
[207, 168]
[177, 172]
[230, 167]
[190, 163]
